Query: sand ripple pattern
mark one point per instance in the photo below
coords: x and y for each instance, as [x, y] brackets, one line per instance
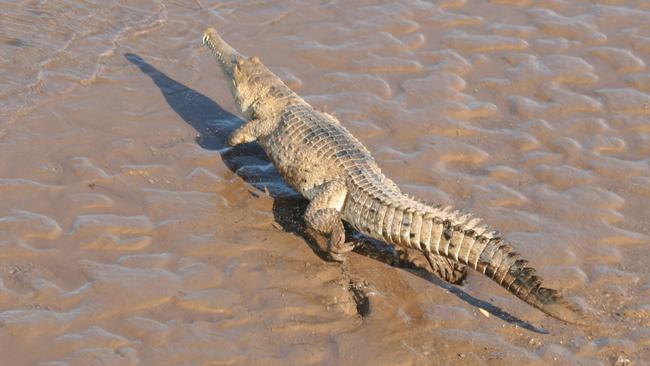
[130, 234]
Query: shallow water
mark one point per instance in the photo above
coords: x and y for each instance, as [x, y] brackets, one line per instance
[131, 233]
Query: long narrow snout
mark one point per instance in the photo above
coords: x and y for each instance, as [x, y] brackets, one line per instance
[225, 55]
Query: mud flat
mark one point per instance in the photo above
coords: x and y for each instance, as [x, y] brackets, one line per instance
[131, 234]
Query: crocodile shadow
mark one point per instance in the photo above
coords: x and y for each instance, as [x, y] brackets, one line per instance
[249, 161]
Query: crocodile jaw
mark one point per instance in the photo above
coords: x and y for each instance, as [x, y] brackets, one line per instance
[242, 72]
[230, 61]
[227, 56]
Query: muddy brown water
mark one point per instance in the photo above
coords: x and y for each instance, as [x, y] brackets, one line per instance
[131, 234]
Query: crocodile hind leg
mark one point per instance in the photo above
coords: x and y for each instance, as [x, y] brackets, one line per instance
[323, 216]
[446, 269]
[251, 131]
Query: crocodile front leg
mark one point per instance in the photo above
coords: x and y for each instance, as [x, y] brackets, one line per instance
[323, 216]
[251, 131]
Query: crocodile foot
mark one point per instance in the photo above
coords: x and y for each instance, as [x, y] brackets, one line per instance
[333, 245]
[446, 269]
[337, 247]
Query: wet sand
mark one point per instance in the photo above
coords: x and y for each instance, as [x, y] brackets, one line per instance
[131, 234]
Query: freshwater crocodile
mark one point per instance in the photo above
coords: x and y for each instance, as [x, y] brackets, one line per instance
[319, 158]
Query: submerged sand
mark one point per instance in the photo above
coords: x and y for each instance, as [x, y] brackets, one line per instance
[131, 234]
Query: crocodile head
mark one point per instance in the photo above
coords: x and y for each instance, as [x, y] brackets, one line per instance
[249, 80]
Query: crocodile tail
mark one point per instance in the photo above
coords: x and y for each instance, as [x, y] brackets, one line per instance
[499, 262]
[402, 220]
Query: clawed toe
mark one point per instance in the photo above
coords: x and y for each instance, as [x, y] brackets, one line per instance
[446, 269]
[338, 257]
[235, 139]
[340, 251]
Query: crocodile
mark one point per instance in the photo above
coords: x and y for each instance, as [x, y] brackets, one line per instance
[325, 163]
